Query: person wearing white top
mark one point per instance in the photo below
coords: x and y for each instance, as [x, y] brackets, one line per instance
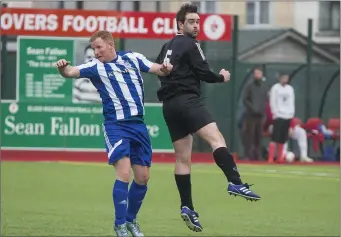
[282, 103]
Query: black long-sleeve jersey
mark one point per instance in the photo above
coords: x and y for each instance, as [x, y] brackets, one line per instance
[189, 68]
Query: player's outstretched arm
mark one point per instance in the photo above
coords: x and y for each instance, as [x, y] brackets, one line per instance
[66, 70]
[154, 68]
[201, 68]
[161, 69]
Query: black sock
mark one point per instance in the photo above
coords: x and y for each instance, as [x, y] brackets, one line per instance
[183, 181]
[224, 160]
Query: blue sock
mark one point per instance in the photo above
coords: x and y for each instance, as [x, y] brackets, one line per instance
[120, 196]
[135, 199]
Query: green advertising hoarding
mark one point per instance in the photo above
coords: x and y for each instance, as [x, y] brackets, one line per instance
[54, 113]
[38, 77]
[55, 126]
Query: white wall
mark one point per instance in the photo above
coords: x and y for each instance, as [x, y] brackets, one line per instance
[49, 5]
[145, 5]
[19, 4]
[302, 12]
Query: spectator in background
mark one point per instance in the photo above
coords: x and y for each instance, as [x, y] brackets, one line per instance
[282, 104]
[254, 99]
[296, 132]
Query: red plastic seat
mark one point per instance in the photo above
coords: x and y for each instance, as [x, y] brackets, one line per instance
[334, 124]
[312, 124]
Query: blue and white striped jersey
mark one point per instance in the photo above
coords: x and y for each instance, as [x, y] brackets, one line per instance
[119, 84]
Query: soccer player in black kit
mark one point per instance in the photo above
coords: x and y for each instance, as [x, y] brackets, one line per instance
[185, 112]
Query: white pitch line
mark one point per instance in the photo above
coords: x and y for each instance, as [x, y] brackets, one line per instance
[297, 172]
[284, 173]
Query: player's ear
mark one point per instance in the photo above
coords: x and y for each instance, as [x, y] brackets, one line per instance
[111, 44]
[181, 25]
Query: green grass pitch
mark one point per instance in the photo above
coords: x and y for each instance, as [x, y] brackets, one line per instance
[75, 199]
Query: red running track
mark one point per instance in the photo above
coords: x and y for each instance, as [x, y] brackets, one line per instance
[74, 156]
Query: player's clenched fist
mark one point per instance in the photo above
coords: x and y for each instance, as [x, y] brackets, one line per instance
[166, 68]
[62, 63]
[226, 75]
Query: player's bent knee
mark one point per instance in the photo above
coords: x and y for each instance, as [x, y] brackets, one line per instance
[219, 141]
[123, 175]
[183, 156]
[142, 179]
[216, 140]
[211, 134]
[141, 174]
[183, 166]
[184, 160]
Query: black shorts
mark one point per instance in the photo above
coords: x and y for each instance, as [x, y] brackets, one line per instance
[185, 114]
[280, 133]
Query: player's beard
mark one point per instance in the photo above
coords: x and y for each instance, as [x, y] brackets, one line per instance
[195, 34]
[192, 34]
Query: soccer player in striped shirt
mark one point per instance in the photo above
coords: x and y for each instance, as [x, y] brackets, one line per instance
[117, 77]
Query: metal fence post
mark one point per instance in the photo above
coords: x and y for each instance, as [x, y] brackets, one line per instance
[308, 72]
[233, 81]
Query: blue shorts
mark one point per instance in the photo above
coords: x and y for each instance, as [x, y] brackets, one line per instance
[128, 139]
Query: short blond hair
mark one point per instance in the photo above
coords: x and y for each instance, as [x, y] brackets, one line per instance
[103, 34]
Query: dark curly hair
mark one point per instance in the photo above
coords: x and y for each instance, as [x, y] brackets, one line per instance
[183, 11]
